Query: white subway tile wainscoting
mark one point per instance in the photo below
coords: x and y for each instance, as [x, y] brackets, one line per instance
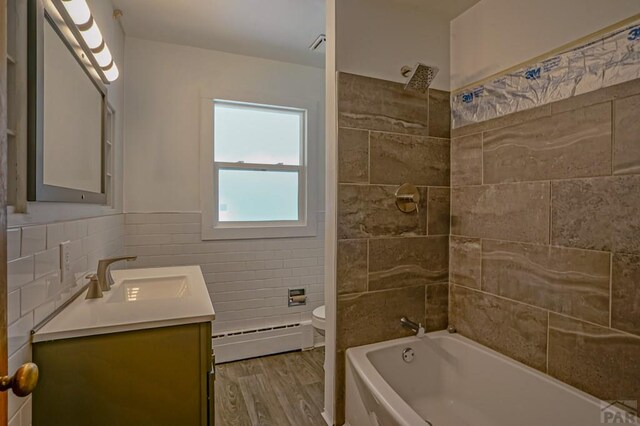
[248, 280]
[35, 284]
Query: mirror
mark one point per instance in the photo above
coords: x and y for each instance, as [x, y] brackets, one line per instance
[67, 108]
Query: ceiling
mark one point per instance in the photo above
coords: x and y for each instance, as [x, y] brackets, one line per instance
[275, 29]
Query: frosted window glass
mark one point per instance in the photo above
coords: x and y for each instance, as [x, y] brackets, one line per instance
[257, 196]
[255, 134]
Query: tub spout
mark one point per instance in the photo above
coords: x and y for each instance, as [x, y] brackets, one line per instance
[417, 328]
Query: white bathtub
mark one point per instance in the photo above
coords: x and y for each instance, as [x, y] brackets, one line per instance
[453, 381]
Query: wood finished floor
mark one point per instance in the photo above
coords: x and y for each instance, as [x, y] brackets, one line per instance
[280, 390]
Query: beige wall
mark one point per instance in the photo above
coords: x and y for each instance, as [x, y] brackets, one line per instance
[545, 245]
[495, 35]
[390, 264]
[377, 38]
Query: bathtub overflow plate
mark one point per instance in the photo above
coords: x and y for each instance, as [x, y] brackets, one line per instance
[408, 355]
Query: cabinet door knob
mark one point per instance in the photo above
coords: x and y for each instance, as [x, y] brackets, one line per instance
[23, 382]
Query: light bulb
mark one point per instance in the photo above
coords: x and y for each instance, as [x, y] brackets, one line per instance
[78, 10]
[103, 55]
[111, 72]
[92, 35]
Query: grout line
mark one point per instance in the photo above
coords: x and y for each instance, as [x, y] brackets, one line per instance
[482, 158]
[393, 185]
[548, 327]
[368, 157]
[368, 265]
[410, 135]
[550, 212]
[481, 257]
[613, 134]
[426, 214]
[610, 290]
[626, 333]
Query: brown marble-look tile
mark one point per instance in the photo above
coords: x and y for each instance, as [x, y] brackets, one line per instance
[567, 281]
[437, 307]
[568, 145]
[439, 113]
[513, 329]
[465, 261]
[626, 150]
[396, 159]
[625, 293]
[515, 212]
[370, 211]
[404, 262]
[373, 104]
[466, 160]
[597, 213]
[621, 90]
[353, 155]
[374, 317]
[438, 215]
[594, 359]
[504, 121]
[352, 266]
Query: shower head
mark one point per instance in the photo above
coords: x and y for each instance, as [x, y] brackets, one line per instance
[420, 77]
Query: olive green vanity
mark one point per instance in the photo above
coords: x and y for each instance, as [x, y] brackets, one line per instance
[144, 358]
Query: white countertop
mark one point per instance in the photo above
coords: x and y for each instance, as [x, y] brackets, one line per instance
[179, 297]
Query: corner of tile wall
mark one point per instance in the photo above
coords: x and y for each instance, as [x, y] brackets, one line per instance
[389, 263]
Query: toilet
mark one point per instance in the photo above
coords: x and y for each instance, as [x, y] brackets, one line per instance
[317, 319]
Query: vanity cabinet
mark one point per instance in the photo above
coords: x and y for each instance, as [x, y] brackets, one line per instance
[154, 376]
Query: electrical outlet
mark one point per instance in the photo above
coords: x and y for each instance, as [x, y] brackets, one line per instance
[65, 260]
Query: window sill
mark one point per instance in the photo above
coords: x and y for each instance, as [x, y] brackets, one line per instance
[259, 232]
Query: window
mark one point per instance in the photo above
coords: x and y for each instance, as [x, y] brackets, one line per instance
[260, 174]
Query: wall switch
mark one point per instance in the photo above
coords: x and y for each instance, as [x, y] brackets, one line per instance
[65, 260]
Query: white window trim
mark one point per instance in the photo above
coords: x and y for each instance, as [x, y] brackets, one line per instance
[214, 230]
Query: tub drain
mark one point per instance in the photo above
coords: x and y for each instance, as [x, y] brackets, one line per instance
[408, 355]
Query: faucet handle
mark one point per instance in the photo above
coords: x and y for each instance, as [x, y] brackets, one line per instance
[94, 292]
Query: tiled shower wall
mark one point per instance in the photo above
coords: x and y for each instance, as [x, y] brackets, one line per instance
[390, 264]
[545, 245]
[36, 288]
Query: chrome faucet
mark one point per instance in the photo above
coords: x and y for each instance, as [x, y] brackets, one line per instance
[104, 276]
[417, 328]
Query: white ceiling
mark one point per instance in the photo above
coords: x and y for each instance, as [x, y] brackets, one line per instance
[275, 29]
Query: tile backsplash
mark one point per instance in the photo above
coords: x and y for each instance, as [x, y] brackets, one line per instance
[545, 242]
[35, 288]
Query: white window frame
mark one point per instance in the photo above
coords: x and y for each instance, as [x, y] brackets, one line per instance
[212, 227]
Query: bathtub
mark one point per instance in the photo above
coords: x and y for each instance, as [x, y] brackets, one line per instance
[453, 381]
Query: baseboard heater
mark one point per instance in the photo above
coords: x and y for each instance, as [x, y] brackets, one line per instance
[243, 344]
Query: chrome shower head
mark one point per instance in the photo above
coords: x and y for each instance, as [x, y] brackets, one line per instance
[420, 77]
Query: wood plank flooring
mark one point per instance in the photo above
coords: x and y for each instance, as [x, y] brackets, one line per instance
[280, 390]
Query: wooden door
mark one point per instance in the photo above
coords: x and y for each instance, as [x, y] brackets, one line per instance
[3, 205]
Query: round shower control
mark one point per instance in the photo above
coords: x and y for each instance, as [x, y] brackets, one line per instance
[408, 355]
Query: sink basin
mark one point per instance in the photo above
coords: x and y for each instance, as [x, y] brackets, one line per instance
[141, 289]
[139, 299]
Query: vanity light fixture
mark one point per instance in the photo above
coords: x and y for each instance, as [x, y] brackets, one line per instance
[79, 13]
